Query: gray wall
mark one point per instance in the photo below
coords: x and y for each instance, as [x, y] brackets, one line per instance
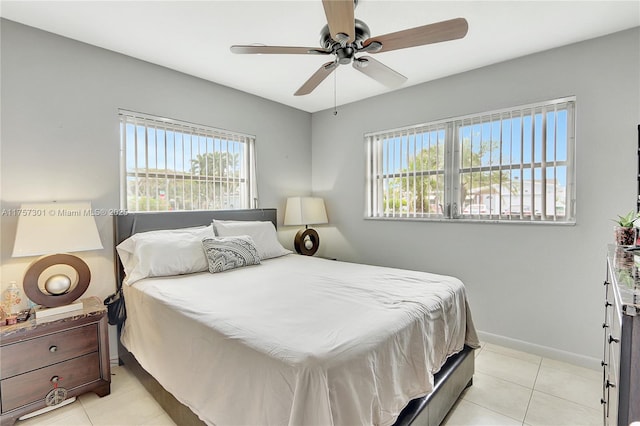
[534, 287]
[60, 131]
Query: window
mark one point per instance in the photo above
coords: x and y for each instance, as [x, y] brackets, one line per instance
[172, 165]
[513, 165]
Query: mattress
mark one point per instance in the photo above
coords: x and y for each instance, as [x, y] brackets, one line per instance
[297, 340]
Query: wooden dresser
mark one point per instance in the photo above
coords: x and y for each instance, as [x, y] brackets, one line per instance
[44, 362]
[621, 361]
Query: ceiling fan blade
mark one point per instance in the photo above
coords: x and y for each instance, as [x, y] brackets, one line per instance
[317, 78]
[244, 49]
[432, 33]
[379, 71]
[340, 19]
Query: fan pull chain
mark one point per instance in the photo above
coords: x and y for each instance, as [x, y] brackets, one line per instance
[335, 92]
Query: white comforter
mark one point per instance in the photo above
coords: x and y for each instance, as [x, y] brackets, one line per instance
[297, 340]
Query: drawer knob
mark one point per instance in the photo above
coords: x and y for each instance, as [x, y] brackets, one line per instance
[607, 304]
[604, 364]
[613, 339]
[605, 325]
[603, 401]
[53, 349]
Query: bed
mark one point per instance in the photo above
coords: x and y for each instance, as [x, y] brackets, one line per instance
[293, 340]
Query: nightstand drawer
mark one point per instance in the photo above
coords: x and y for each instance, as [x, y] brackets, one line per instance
[28, 355]
[34, 386]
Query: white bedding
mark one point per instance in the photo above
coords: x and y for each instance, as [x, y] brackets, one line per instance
[297, 340]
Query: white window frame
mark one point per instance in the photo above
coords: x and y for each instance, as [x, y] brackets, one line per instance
[507, 202]
[167, 177]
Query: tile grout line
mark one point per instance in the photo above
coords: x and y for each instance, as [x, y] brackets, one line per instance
[532, 390]
[566, 400]
[518, 359]
[539, 363]
[492, 410]
[557, 396]
[86, 413]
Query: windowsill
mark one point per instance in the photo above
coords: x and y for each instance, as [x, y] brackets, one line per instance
[478, 221]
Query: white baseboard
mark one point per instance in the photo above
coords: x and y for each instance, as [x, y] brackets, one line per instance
[543, 351]
[114, 362]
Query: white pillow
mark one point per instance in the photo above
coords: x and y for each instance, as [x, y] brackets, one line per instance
[164, 253]
[263, 234]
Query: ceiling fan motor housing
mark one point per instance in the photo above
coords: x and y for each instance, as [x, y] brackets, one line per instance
[345, 53]
[362, 33]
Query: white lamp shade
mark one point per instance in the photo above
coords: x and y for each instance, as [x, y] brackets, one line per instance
[305, 211]
[48, 228]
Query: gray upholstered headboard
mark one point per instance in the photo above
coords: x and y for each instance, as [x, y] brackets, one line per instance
[129, 224]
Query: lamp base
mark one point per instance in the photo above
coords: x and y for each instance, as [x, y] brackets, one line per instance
[31, 276]
[307, 242]
[49, 312]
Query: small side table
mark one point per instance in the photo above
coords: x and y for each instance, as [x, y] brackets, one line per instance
[44, 362]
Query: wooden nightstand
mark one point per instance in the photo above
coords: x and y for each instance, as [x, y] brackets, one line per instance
[69, 351]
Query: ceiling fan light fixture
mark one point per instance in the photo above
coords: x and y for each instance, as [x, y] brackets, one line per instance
[344, 55]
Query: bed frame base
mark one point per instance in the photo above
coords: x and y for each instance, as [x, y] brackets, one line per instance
[179, 413]
[454, 377]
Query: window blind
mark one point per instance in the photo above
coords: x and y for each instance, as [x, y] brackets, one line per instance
[168, 165]
[406, 172]
[511, 165]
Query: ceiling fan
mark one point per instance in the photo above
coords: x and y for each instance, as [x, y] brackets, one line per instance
[344, 37]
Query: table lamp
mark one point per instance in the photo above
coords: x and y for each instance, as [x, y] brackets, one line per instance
[54, 230]
[305, 211]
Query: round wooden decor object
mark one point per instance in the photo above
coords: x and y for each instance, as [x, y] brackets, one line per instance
[35, 293]
[301, 237]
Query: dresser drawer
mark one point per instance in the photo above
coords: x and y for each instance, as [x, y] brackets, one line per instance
[34, 386]
[46, 350]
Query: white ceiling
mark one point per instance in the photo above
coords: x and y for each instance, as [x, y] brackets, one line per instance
[194, 37]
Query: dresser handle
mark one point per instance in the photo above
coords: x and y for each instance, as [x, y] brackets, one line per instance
[53, 349]
[613, 339]
[610, 384]
[603, 401]
[605, 325]
[607, 304]
[603, 364]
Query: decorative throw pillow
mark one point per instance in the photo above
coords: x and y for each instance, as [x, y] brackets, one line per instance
[224, 253]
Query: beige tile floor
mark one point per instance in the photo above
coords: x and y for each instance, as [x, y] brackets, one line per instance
[516, 388]
[509, 388]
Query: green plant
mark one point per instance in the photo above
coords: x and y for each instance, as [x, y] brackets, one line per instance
[627, 220]
[625, 277]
